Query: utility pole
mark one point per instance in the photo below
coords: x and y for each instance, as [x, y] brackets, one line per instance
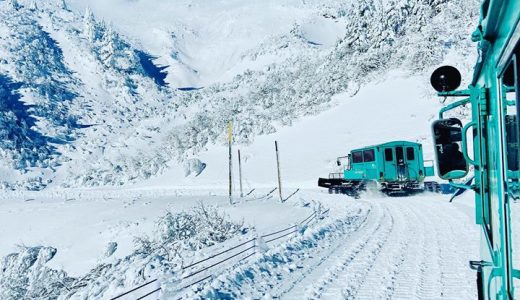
[230, 140]
[240, 174]
[278, 167]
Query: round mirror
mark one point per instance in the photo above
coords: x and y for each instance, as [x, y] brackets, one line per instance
[445, 79]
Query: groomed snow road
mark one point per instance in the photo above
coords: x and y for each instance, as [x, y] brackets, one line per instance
[388, 248]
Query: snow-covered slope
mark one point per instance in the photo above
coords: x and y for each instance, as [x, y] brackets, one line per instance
[90, 266]
[95, 89]
[308, 149]
[102, 93]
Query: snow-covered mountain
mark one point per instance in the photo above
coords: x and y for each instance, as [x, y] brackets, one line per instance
[111, 92]
[103, 93]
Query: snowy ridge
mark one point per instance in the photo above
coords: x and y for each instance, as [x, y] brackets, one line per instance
[56, 80]
[122, 124]
[41, 95]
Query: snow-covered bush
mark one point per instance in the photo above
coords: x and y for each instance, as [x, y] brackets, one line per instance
[176, 235]
[193, 166]
[201, 227]
[23, 275]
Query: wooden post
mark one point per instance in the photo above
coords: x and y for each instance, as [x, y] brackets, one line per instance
[230, 140]
[278, 167]
[240, 174]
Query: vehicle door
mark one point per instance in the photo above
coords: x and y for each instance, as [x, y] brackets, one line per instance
[412, 162]
[401, 168]
[389, 164]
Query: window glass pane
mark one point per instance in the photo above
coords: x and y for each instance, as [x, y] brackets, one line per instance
[389, 156]
[410, 153]
[511, 99]
[357, 157]
[399, 155]
[368, 155]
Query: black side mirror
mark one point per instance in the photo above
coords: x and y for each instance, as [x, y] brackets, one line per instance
[447, 138]
[445, 79]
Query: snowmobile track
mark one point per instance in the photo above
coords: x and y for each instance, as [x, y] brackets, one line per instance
[407, 256]
[361, 255]
[403, 248]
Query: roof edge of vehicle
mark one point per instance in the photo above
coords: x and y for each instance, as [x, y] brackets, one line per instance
[393, 143]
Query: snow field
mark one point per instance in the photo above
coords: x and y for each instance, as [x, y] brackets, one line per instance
[415, 248]
[405, 248]
[376, 248]
[59, 218]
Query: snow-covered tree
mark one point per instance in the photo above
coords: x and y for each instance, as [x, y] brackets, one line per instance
[24, 275]
[33, 5]
[14, 4]
[108, 47]
[89, 25]
[23, 146]
[63, 4]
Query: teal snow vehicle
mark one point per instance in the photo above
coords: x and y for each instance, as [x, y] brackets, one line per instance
[492, 148]
[394, 168]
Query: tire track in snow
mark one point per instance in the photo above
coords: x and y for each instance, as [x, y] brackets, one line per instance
[457, 280]
[354, 273]
[420, 272]
[406, 248]
[357, 241]
[422, 256]
[387, 267]
[279, 269]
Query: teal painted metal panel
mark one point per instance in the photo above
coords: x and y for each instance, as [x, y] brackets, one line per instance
[389, 163]
[494, 95]
[429, 171]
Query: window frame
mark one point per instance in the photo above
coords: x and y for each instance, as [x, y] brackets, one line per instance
[371, 155]
[510, 179]
[408, 153]
[354, 156]
[387, 151]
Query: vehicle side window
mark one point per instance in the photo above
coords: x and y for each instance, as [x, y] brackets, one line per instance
[389, 156]
[410, 153]
[357, 157]
[369, 155]
[510, 87]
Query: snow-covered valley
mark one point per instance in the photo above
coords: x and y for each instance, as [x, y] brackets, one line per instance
[115, 173]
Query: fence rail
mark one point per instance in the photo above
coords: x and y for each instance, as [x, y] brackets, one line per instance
[294, 193]
[276, 232]
[279, 237]
[289, 230]
[134, 289]
[218, 254]
[218, 263]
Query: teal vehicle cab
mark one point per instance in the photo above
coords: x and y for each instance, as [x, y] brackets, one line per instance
[396, 167]
[487, 144]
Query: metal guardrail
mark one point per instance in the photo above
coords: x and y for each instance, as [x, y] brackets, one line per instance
[288, 197]
[134, 289]
[335, 175]
[218, 263]
[429, 163]
[286, 232]
[218, 254]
